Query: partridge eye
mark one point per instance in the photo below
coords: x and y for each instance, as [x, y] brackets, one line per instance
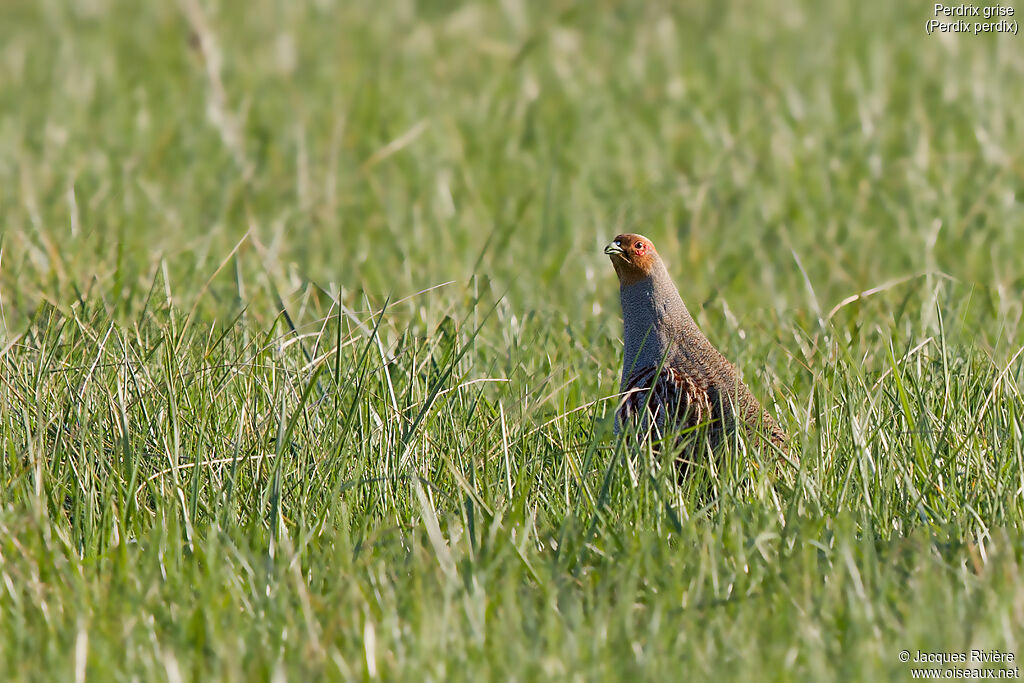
[638, 245]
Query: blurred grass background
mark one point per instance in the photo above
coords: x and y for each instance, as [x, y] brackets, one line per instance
[174, 175]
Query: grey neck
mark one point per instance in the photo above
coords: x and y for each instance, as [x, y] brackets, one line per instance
[653, 317]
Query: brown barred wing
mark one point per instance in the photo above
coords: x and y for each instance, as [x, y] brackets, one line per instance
[657, 400]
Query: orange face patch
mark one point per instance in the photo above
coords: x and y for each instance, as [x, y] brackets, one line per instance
[633, 257]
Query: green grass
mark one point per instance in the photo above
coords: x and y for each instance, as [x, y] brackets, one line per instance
[307, 341]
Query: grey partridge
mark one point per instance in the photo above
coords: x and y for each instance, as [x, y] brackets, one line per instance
[673, 379]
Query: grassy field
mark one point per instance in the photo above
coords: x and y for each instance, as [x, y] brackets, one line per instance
[307, 344]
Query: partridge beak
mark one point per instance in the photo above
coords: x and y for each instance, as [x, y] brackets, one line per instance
[613, 249]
